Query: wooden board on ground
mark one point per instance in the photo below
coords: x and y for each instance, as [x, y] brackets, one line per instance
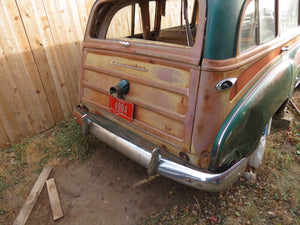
[32, 197]
[54, 199]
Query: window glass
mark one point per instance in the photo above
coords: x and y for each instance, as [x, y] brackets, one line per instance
[248, 28]
[262, 22]
[288, 15]
[266, 20]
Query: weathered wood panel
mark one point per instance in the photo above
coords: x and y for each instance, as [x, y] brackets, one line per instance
[40, 54]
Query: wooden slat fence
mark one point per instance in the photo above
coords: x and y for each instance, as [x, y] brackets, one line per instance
[40, 54]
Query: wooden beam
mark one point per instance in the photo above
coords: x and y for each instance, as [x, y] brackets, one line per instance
[54, 200]
[32, 197]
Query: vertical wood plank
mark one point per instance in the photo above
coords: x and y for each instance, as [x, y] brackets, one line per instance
[77, 14]
[83, 15]
[3, 136]
[10, 86]
[7, 117]
[66, 49]
[23, 70]
[40, 37]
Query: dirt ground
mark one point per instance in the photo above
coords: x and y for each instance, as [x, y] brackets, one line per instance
[108, 188]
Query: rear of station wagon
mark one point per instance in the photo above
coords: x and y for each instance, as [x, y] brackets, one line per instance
[187, 87]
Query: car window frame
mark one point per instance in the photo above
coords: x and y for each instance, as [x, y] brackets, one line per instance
[257, 18]
[191, 55]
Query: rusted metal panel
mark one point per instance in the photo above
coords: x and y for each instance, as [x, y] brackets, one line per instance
[164, 95]
[146, 69]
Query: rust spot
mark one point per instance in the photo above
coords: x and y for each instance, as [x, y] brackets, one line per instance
[182, 106]
[26, 14]
[206, 96]
[37, 91]
[167, 128]
[184, 156]
[205, 153]
[203, 162]
[16, 18]
[199, 128]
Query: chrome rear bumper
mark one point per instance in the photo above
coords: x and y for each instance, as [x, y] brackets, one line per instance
[154, 159]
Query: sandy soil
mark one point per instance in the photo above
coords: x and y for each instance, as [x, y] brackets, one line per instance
[108, 188]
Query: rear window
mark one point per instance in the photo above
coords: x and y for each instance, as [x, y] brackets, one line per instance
[170, 21]
[257, 26]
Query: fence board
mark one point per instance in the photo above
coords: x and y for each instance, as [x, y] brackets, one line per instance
[40, 37]
[42, 113]
[26, 78]
[89, 4]
[3, 135]
[40, 54]
[66, 51]
[12, 83]
[7, 110]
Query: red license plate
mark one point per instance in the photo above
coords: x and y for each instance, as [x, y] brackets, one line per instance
[121, 108]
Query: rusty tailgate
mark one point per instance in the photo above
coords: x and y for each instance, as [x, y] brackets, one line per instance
[163, 92]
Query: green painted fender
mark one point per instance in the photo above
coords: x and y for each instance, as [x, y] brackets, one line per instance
[242, 129]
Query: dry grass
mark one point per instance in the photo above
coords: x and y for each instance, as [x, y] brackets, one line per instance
[21, 163]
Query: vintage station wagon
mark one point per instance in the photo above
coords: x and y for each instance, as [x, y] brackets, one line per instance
[186, 87]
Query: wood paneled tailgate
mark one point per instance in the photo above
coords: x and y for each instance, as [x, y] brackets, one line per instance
[164, 95]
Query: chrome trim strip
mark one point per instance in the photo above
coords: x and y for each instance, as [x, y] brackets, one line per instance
[156, 162]
[130, 67]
